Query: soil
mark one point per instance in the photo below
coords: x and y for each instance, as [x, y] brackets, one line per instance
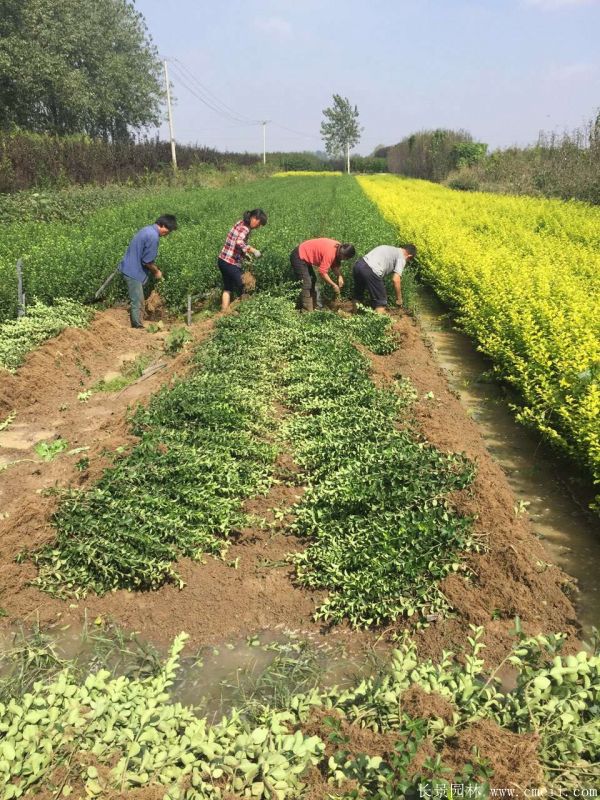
[252, 588]
[512, 577]
[514, 757]
[426, 705]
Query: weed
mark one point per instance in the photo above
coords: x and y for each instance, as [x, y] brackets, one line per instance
[48, 451]
[130, 372]
[9, 419]
[176, 339]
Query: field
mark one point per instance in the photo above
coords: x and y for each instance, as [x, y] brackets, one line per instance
[307, 471]
[520, 274]
[523, 276]
[72, 260]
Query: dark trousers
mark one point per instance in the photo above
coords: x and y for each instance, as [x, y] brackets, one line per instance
[305, 274]
[366, 280]
[232, 278]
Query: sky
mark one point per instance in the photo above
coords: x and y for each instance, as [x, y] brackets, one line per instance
[502, 69]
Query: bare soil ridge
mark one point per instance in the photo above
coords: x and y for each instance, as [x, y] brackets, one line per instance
[219, 600]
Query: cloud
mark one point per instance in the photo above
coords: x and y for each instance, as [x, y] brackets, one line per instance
[551, 4]
[275, 26]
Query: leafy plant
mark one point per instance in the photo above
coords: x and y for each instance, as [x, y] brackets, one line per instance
[176, 339]
[204, 446]
[136, 736]
[48, 451]
[19, 337]
[536, 315]
[382, 535]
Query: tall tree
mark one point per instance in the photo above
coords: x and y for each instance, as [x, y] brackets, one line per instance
[77, 66]
[340, 129]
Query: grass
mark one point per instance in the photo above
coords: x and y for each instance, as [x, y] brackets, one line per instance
[130, 372]
[289, 674]
[34, 655]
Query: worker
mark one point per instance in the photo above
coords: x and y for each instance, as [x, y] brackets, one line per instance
[138, 263]
[370, 270]
[234, 251]
[323, 255]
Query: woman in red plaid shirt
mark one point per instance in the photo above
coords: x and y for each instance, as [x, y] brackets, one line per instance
[234, 250]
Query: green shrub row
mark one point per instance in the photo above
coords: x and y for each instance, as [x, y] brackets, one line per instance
[120, 734]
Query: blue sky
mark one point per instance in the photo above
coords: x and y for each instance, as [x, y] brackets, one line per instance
[502, 69]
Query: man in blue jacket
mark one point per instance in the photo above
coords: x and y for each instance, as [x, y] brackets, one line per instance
[138, 263]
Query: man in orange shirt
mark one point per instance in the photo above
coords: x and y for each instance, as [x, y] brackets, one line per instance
[324, 255]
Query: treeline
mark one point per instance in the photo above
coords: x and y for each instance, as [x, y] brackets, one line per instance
[565, 166]
[34, 161]
[37, 161]
[293, 162]
[432, 155]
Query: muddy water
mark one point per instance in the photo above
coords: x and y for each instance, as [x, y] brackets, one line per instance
[268, 667]
[264, 667]
[569, 533]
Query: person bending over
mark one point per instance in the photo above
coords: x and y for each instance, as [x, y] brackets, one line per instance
[323, 255]
[370, 270]
[235, 249]
[138, 263]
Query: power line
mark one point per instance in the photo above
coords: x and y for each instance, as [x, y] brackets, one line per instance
[202, 93]
[194, 87]
[205, 90]
[182, 80]
[296, 133]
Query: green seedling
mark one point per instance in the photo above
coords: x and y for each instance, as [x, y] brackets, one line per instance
[176, 340]
[48, 451]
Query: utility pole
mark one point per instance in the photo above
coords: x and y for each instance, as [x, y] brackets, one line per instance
[172, 137]
[264, 124]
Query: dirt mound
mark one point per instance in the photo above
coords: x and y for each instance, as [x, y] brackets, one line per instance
[512, 577]
[44, 394]
[155, 306]
[68, 362]
[513, 757]
[249, 281]
[421, 704]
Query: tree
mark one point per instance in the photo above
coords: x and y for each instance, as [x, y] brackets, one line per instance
[381, 151]
[340, 130]
[433, 154]
[77, 66]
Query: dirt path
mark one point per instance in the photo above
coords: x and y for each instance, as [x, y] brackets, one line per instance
[252, 589]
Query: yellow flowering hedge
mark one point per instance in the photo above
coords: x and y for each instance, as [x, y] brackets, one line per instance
[523, 276]
[299, 172]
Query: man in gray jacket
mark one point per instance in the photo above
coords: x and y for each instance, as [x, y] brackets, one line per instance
[370, 270]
